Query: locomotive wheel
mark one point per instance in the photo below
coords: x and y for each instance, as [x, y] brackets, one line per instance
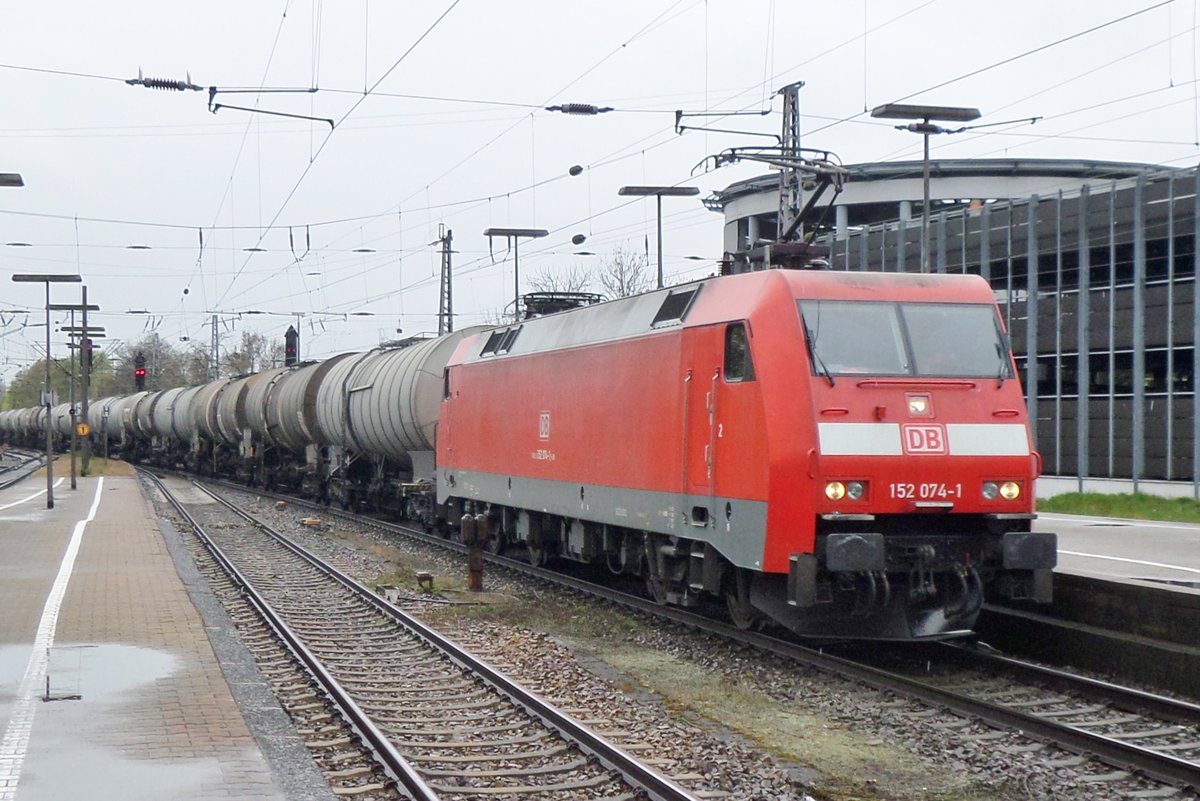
[743, 616]
[537, 553]
[742, 613]
[656, 589]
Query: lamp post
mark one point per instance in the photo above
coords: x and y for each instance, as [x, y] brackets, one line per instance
[47, 279]
[658, 192]
[901, 111]
[515, 234]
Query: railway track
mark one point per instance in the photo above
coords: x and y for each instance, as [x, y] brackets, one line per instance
[1115, 733]
[439, 722]
[17, 465]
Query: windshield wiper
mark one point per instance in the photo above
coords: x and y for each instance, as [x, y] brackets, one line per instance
[816, 360]
[1005, 353]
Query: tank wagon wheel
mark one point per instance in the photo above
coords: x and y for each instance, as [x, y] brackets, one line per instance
[496, 543]
[742, 613]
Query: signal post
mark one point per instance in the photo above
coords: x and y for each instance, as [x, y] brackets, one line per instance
[85, 334]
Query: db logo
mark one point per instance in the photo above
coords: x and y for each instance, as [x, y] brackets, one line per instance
[544, 425]
[924, 439]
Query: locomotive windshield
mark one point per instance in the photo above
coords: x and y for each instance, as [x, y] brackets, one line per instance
[954, 340]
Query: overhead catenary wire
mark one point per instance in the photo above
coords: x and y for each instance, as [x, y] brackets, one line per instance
[304, 174]
[427, 205]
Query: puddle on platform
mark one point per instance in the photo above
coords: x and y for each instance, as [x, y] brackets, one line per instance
[103, 672]
[96, 772]
[107, 677]
[96, 673]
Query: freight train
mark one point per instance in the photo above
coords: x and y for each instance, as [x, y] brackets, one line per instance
[842, 454]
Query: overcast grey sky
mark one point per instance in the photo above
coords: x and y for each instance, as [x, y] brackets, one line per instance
[440, 120]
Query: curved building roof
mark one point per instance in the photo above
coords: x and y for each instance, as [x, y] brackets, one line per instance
[879, 192]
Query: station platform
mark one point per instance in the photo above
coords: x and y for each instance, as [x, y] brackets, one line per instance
[121, 677]
[1112, 549]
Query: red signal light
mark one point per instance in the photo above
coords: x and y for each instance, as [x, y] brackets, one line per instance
[140, 372]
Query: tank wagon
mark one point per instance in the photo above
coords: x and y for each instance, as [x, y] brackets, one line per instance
[844, 454]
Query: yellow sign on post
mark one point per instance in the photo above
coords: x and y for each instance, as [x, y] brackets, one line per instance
[83, 429]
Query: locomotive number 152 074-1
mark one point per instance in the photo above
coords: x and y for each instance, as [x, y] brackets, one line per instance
[925, 491]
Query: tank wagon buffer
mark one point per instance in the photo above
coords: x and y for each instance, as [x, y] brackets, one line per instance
[846, 454]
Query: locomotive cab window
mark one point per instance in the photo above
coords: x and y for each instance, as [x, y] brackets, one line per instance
[738, 364]
[946, 340]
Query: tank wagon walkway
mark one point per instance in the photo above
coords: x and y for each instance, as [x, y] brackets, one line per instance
[109, 684]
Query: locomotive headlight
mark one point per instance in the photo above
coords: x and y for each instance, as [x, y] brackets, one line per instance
[855, 490]
[1008, 490]
[835, 490]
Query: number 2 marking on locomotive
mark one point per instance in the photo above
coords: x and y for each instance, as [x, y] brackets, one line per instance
[720, 430]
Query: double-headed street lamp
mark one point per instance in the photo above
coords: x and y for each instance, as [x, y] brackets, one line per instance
[658, 192]
[515, 235]
[47, 279]
[901, 111]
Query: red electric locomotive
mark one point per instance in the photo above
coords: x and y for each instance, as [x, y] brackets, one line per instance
[845, 454]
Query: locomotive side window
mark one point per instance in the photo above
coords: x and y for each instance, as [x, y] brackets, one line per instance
[509, 338]
[446, 384]
[493, 341]
[738, 364]
[674, 307]
[500, 341]
[956, 340]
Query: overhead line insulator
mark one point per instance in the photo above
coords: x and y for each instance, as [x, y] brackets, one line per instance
[580, 108]
[165, 84]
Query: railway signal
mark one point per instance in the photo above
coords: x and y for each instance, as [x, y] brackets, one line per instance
[291, 346]
[139, 372]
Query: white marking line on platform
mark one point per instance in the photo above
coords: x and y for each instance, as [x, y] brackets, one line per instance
[37, 494]
[20, 725]
[1131, 561]
[1121, 522]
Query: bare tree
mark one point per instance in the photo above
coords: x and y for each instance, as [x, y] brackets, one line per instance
[254, 353]
[495, 318]
[626, 273]
[196, 359]
[569, 279]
